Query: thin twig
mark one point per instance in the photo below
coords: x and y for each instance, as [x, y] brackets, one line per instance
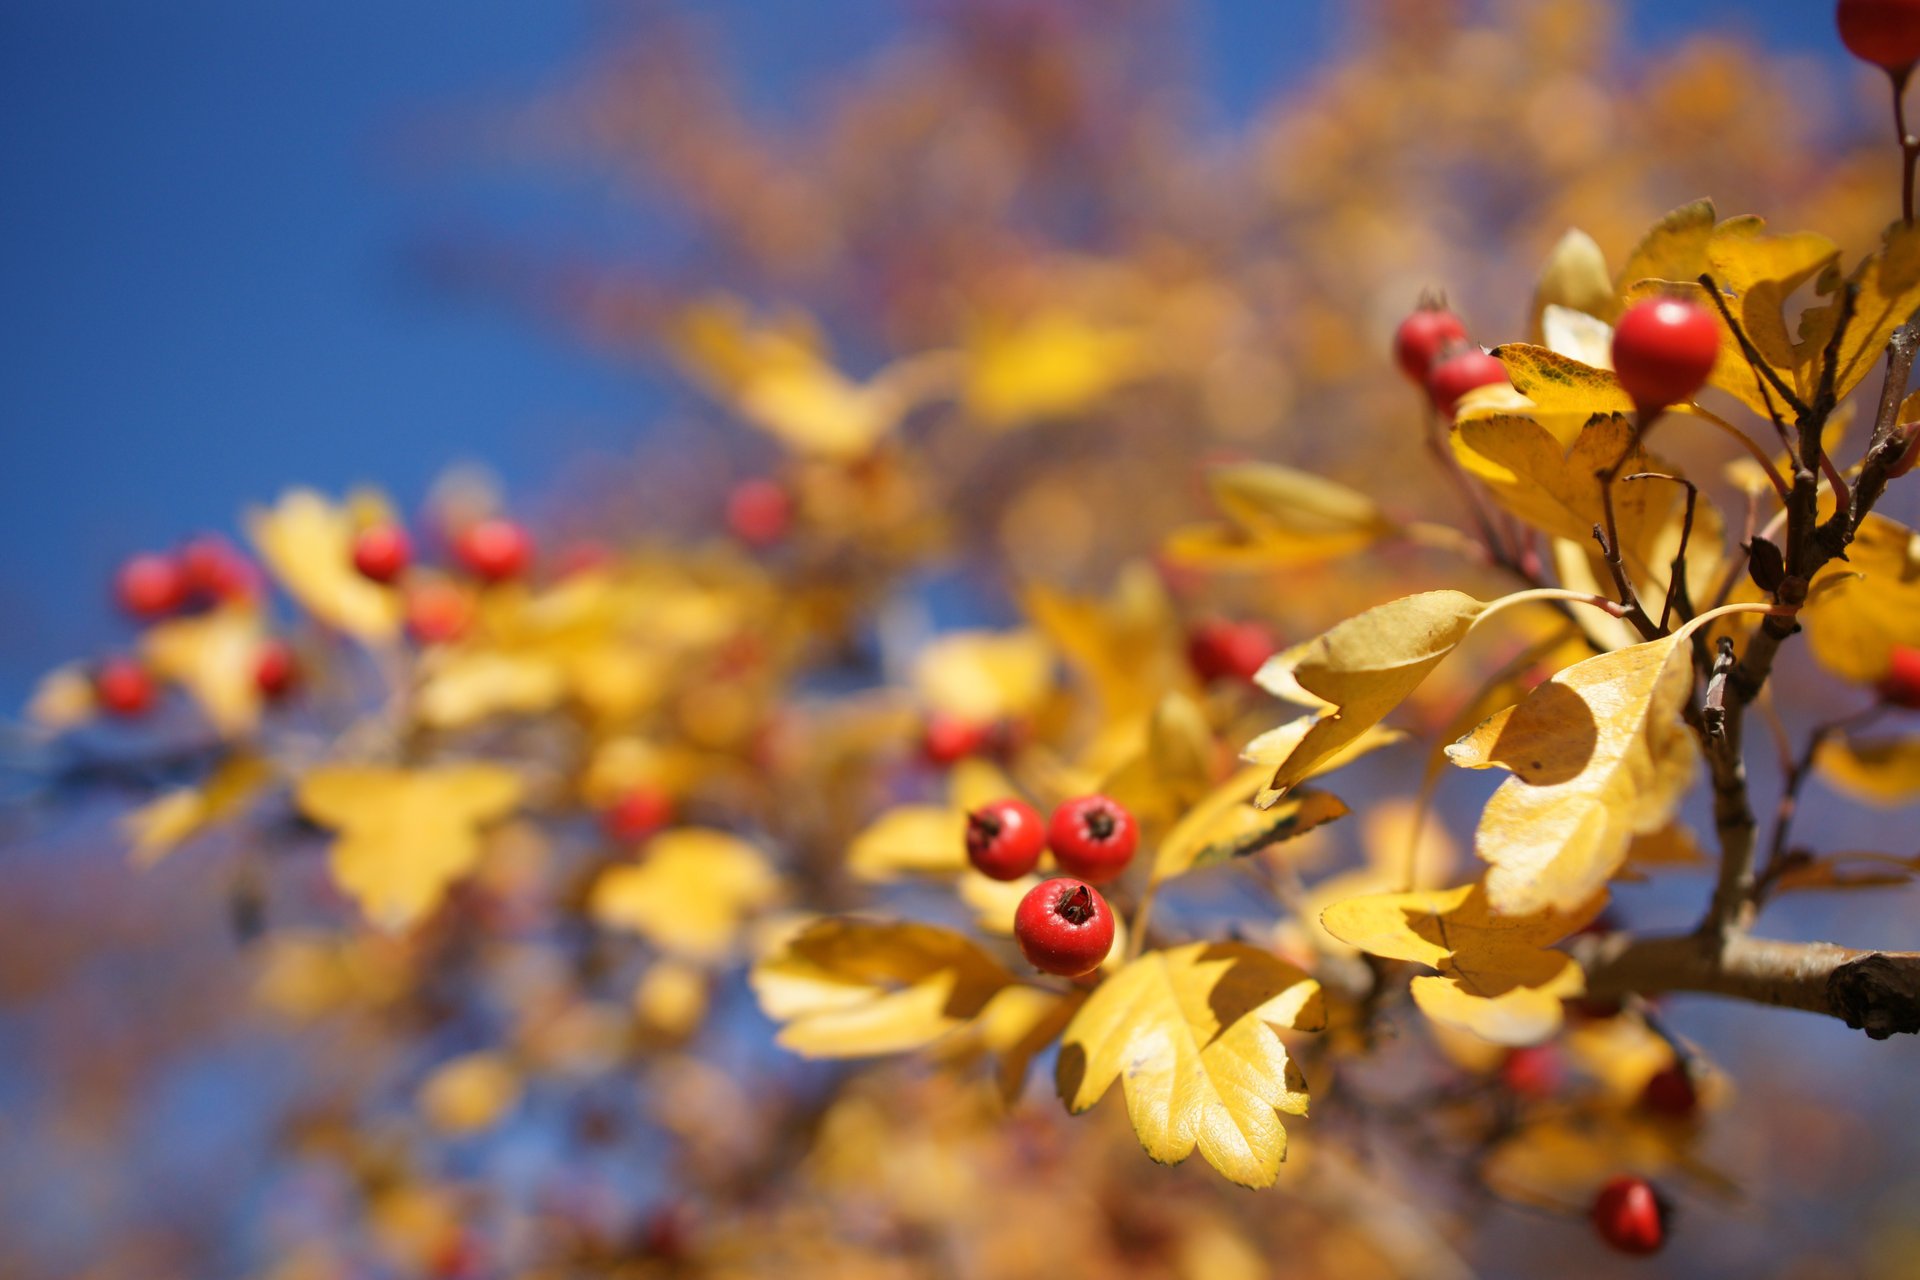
[1758, 362]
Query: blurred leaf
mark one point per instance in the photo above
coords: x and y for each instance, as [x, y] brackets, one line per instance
[307, 543]
[1864, 606]
[1877, 770]
[161, 825]
[1226, 825]
[212, 657]
[984, 676]
[689, 893]
[470, 1094]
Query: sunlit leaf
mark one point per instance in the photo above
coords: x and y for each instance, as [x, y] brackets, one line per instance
[1877, 770]
[689, 893]
[307, 543]
[212, 656]
[470, 1093]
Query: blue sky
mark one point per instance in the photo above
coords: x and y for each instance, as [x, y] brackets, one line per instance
[204, 291]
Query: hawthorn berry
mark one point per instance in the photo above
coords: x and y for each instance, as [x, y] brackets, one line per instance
[1004, 839]
[1064, 926]
[1532, 1071]
[1630, 1215]
[1663, 351]
[1092, 837]
[1883, 32]
[215, 570]
[1459, 370]
[1220, 650]
[948, 739]
[1901, 684]
[1671, 1092]
[759, 512]
[382, 552]
[638, 813]
[438, 612]
[275, 671]
[494, 549]
[123, 688]
[1430, 329]
[150, 586]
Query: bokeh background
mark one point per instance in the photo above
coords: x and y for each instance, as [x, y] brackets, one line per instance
[245, 245]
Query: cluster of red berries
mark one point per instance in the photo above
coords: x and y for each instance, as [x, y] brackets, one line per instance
[493, 550]
[1063, 925]
[1432, 349]
[947, 739]
[1883, 32]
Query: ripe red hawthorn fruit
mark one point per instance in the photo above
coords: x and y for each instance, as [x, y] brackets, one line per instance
[1064, 926]
[150, 586]
[216, 571]
[759, 512]
[275, 671]
[1004, 839]
[1422, 336]
[1663, 351]
[438, 612]
[638, 813]
[1671, 1092]
[123, 688]
[1901, 684]
[1533, 1071]
[948, 739]
[1459, 370]
[494, 549]
[1220, 650]
[1631, 1216]
[1092, 837]
[1883, 32]
[382, 552]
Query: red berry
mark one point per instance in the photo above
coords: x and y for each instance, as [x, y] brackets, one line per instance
[1901, 684]
[382, 552]
[123, 688]
[1670, 1092]
[275, 671]
[637, 814]
[1663, 351]
[759, 512]
[215, 570]
[1883, 32]
[1533, 1071]
[1459, 371]
[949, 739]
[1004, 839]
[1064, 927]
[438, 612]
[494, 549]
[1422, 336]
[1230, 650]
[1092, 837]
[150, 586]
[1630, 1215]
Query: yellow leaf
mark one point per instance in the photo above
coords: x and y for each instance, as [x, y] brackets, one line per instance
[1173, 768]
[671, 997]
[1865, 605]
[1762, 271]
[212, 657]
[1052, 364]
[1575, 277]
[1521, 1004]
[1278, 518]
[470, 1094]
[1674, 248]
[163, 824]
[405, 835]
[1226, 825]
[689, 894]
[1877, 770]
[1599, 756]
[63, 699]
[1017, 1024]
[911, 839]
[307, 542]
[1365, 667]
[1190, 1034]
[855, 988]
[465, 686]
[1127, 645]
[1577, 336]
[1561, 388]
[1889, 282]
[984, 676]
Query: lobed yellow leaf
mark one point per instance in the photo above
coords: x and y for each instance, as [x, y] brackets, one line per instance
[1674, 248]
[689, 893]
[307, 543]
[911, 839]
[212, 657]
[1862, 607]
[1055, 363]
[1278, 518]
[1575, 277]
[1225, 824]
[1190, 1034]
[1889, 283]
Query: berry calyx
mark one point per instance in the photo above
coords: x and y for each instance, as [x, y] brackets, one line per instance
[637, 814]
[1462, 369]
[1093, 837]
[1631, 1216]
[123, 688]
[1220, 650]
[1004, 839]
[438, 612]
[1664, 349]
[1064, 927]
[1532, 1071]
[948, 739]
[494, 549]
[759, 512]
[1422, 336]
[150, 586]
[1883, 32]
[1671, 1092]
[275, 670]
[1901, 684]
[382, 552]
